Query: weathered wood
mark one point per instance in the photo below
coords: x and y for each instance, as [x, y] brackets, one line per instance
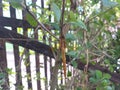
[3, 59]
[27, 61]
[37, 65]
[29, 43]
[51, 61]
[38, 71]
[12, 22]
[37, 59]
[18, 75]
[45, 66]
[28, 70]
[3, 65]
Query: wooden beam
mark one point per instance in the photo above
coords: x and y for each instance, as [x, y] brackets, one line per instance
[12, 22]
[26, 42]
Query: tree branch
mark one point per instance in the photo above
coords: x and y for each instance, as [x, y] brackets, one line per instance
[39, 23]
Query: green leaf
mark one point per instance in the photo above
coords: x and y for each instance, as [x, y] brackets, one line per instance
[2, 81]
[78, 88]
[106, 76]
[95, 2]
[108, 88]
[69, 73]
[57, 11]
[99, 88]
[98, 74]
[56, 26]
[88, 45]
[72, 16]
[70, 37]
[2, 75]
[16, 3]
[118, 1]
[105, 82]
[74, 64]
[31, 20]
[79, 24]
[9, 71]
[79, 34]
[93, 80]
[72, 53]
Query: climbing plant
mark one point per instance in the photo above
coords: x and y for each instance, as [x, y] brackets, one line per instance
[86, 30]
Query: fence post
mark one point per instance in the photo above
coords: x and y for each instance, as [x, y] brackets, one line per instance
[16, 56]
[3, 65]
[3, 60]
[37, 58]
[27, 55]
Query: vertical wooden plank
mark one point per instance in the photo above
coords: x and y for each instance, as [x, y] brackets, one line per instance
[50, 39]
[42, 4]
[3, 59]
[45, 69]
[45, 66]
[38, 71]
[28, 70]
[12, 13]
[37, 59]
[27, 60]
[37, 65]
[50, 58]
[16, 56]
[45, 57]
[3, 64]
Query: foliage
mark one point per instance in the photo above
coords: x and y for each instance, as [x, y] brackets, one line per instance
[16, 3]
[57, 11]
[100, 80]
[89, 38]
[2, 80]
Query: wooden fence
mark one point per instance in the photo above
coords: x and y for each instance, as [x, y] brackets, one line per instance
[16, 30]
[11, 24]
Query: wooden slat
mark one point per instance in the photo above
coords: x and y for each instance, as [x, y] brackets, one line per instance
[3, 59]
[51, 62]
[3, 65]
[37, 59]
[12, 22]
[45, 57]
[23, 41]
[28, 69]
[27, 61]
[16, 55]
[38, 71]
